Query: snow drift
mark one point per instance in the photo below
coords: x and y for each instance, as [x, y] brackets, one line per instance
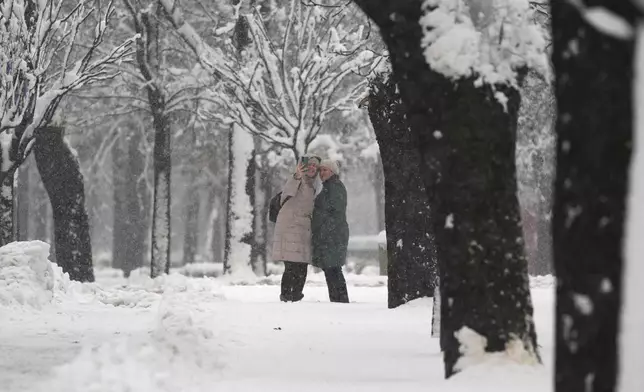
[26, 275]
[180, 354]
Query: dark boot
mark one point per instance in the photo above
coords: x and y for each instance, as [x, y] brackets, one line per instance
[336, 284]
[293, 281]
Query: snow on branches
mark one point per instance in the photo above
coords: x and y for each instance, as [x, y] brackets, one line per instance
[491, 39]
[43, 57]
[291, 78]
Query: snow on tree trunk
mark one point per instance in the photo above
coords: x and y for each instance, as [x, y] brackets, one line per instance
[436, 310]
[631, 344]
[161, 198]
[60, 173]
[131, 202]
[214, 238]
[410, 268]
[467, 132]
[239, 223]
[593, 54]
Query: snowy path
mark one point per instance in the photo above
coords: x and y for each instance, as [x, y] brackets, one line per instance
[234, 338]
[31, 344]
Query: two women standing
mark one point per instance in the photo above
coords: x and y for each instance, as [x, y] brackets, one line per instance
[311, 228]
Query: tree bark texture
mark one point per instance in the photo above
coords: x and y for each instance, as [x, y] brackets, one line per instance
[7, 192]
[467, 144]
[191, 217]
[24, 193]
[411, 270]
[594, 79]
[161, 230]
[131, 202]
[60, 173]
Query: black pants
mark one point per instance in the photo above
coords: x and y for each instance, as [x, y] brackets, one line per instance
[336, 284]
[294, 278]
[293, 281]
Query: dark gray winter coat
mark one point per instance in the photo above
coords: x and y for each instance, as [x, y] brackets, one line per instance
[329, 225]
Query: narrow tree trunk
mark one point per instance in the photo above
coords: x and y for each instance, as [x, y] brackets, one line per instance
[237, 252]
[60, 173]
[161, 198]
[240, 249]
[131, 202]
[467, 142]
[259, 220]
[191, 233]
[436, 310]
[410, 269]
[7, 190]
[120, 217]
[379, 194]
[594, 135]
[24, 193]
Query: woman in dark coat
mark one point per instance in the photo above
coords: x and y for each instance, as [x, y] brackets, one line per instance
[330, 230]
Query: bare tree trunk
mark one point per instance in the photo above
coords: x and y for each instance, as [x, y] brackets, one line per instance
[60, 173]
[410, 268]
[266, 186]
[467, 143]
[7, 173]
[131, 202]
[191, 234]
[216, 230]
[379, 193]
[120, 222]
[594, 89]
[162, 201]
[259, 220]
[24, 193]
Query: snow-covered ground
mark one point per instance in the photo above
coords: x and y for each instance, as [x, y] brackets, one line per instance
[200, 334]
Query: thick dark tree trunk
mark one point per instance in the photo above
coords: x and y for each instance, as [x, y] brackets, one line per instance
[411, 269]
[131, 202]
[594, 130]
[60, 173]
[467, 142]
[191, 233]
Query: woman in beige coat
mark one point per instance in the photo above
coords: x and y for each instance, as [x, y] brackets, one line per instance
[292, 236]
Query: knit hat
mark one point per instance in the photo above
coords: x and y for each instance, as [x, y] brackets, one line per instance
[332, 165]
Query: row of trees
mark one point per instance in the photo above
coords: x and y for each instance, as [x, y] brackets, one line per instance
[265, 84]
[464, 117]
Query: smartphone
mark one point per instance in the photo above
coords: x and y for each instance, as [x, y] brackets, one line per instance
[304, 161]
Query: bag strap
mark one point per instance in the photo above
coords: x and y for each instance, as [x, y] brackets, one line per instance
[285, 200]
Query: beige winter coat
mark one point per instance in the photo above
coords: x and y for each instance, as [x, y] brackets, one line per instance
[292, 236]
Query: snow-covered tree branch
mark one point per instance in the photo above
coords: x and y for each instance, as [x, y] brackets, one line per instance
[284, 85]
[42, 58]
